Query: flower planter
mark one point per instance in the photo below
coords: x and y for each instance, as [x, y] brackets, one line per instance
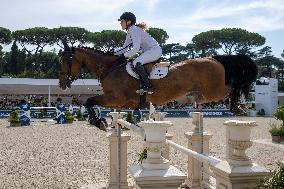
[69, 121]
[81, 119]
[276, 139]
[15, 124]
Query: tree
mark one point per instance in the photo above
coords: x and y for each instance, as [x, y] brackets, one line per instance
[230, 40]
[16, 60]
[265, 51]
[266, 65]
[107, 39]
[70, 35]
[36, 38]
[189, 49]
[173, 52]
[5, 36]
[206, 43]
[280, 75]
[160, 35]
[282, 54]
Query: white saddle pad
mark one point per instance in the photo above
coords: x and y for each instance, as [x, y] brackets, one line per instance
[156, 73]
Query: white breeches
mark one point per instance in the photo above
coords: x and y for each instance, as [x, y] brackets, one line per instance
[149, 56]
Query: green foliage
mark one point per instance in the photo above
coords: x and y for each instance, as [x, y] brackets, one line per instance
[142, 156]
[79, 114]
[279, 114]
[14, 117]
[5, 36]
[71, 35]
[107, 39]
[38, 37]
[175, 52]
[69, 116]
[275, 180]
[228, 39]
[159, 34]
[276, 131]
[129, 117]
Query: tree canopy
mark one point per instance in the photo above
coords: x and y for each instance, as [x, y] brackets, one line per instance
[5, 36]
[229, 40]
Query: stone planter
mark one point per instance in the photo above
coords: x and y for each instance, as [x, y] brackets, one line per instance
[15, 124]
[155, 132]
[81, 119]
[276, 139]
[69, 121]
[238, 141]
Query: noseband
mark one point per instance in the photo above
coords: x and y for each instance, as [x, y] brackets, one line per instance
[70, 53]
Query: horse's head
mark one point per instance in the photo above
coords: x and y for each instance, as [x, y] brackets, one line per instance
[70, 67]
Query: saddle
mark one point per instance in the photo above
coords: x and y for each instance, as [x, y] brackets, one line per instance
[155, 70]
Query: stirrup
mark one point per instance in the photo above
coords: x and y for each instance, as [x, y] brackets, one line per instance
[145, 90]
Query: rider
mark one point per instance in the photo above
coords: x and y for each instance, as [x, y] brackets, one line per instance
[138, 38]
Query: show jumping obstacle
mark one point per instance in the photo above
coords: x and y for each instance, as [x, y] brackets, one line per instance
[203, 171]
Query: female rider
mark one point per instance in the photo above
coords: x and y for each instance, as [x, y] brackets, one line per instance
[138, 38]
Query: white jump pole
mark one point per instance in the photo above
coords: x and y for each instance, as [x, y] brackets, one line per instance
[119, 154]
[48, 95]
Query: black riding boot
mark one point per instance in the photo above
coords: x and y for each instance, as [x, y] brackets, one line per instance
[146, 85]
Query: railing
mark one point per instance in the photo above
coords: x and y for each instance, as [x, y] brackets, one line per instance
[203, 171]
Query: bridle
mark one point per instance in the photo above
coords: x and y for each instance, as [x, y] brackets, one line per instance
[70, 53]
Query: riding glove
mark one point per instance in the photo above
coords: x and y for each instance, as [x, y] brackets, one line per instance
[121, 58]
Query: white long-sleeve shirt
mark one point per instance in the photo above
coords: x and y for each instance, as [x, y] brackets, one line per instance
[139, 39]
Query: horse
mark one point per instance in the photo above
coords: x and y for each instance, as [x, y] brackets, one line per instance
[208, 79]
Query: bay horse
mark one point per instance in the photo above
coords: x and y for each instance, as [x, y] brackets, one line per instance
[206, 79]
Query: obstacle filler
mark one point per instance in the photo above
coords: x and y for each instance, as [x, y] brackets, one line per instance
[60, 113]
[25, 113]
[203, 171]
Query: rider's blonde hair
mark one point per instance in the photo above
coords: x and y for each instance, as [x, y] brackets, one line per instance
[143, 25]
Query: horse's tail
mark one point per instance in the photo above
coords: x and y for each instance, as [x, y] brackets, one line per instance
[240, 73]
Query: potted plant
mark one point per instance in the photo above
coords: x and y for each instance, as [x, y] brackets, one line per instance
[69, 117]
[14, 119]
[129, 117]
[277, 133]
[274, 180]
[79, 116]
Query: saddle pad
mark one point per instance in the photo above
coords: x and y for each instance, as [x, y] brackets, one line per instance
[156, 73]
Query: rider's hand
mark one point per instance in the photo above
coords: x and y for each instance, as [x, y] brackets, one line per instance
[121, 58]
[111, 52]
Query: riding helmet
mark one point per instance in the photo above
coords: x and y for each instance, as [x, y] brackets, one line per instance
[128, 16]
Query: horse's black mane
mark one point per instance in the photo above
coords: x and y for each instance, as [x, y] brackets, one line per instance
[97, 50]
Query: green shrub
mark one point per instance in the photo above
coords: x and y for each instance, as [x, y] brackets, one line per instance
[79, 114]
[142, 155]
[279, 114]
[69, 116]
[276, 131]
[14, 117]
[129, 117]
[275, 180]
